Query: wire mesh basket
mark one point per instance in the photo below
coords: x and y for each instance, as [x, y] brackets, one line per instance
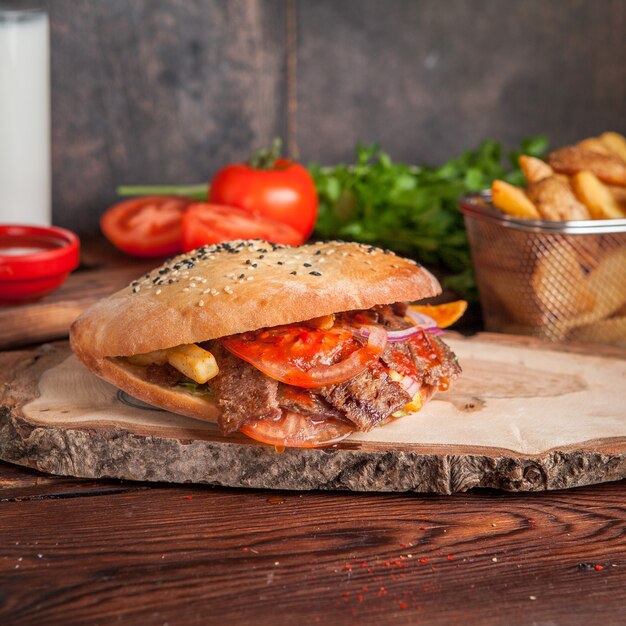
[561, 281]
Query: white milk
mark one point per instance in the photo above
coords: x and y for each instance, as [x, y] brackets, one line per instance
[24, 118]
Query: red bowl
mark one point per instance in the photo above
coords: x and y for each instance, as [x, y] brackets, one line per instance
[34, 260]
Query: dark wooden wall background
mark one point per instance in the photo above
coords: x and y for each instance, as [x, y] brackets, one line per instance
[168, 90]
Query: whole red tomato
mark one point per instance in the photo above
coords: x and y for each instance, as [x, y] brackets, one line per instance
[284, 191]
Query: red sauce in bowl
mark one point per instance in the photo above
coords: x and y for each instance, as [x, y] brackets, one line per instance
[34, 260]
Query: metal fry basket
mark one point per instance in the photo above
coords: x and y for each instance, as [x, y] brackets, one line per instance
[561, 281]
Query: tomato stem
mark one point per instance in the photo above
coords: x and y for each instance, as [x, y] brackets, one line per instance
[265, 159]
[197, 192]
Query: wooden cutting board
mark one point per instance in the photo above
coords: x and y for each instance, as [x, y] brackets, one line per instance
[525, 416]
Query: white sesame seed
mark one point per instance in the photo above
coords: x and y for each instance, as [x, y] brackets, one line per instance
[228, 290]
[205, 291]
[201, 303]
[204, 281]
[250, 278]
[186, 289]
[158, 291]
[322, 260]
[331, 251]
[344, 253]
[214, 292]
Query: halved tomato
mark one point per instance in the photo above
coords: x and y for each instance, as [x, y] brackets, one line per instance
[146, 227]
[213, 223]
[294, 430]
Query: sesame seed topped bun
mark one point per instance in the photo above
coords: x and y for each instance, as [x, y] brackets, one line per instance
[239, 286]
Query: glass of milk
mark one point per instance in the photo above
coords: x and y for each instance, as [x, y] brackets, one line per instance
[24, 117]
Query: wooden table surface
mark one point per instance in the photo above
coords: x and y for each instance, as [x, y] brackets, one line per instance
[110, 552]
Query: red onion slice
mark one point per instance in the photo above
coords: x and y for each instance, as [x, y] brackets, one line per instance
[419, 319]
[422, 323]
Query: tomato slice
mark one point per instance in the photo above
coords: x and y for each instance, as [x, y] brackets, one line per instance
[294, 430]
[146, 227]
[213, 223]
[305, 357]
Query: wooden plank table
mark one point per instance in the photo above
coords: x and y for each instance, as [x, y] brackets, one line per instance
[104, 552]
[108, 552]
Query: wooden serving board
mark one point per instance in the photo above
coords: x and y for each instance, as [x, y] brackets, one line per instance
[525, 416]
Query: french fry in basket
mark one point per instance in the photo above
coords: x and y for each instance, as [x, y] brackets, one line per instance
[534, 169]
[608, 284]
[607, 167]
[619, 194]
[559, 283]
[616, 143]
[555, 200]
[512, 200]
[607, 280]
[595, 144]
[596, 196]
[611, 330]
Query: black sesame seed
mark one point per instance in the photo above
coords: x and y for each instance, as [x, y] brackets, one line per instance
[248, 261]
[315, 273]
[262, 256]
[170, 281]
[318, 252]
[293, 273]
[279, 263]
[241, 275]
[254, 265]
[307, 265]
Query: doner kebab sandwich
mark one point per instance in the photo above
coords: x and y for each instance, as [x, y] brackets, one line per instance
[293, 346]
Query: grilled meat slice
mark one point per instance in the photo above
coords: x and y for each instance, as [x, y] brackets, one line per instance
[367, 399]
[306, 402]
[242, 392]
